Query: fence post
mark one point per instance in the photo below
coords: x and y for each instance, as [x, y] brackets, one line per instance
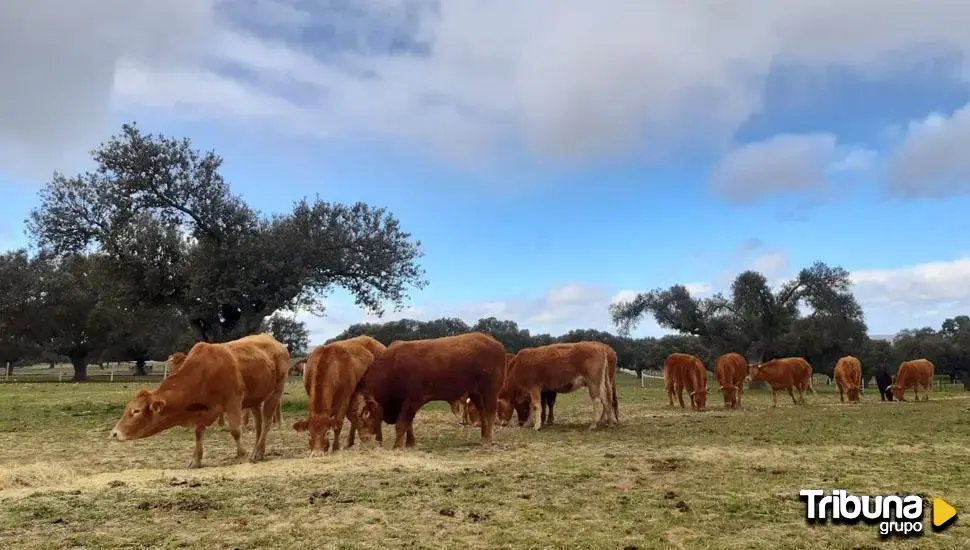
[112, 377]
[60, 377]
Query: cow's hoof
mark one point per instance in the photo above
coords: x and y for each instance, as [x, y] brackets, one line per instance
[194, 464]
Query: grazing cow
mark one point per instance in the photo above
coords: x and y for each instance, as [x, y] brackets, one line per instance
[370, 344]
[730, 370]
[784, 374]
[410, 374]
[915, 374]
[248, 373]
[682, 370]
[883, 381]
[848, 378]
[562, 368]
[176, 360]
[332, 374]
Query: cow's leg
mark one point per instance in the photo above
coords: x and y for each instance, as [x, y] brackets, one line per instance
[257, 416]
[596, 395]
[234, 415]
[544, 407]
[536, 415]
[339, 424]
[270, 406]
[403, 428]
[841, 396]
[551, 418]
[774, 397]
[352, 434]
[679, 390]
[487, 409]
[197, 454]
[792, 394]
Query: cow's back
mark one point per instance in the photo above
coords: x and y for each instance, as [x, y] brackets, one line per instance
[440, 369]
[369, 343]
[333, 371]
[557, 367]
[263, 363]
[848, 371]
[917, 371]
[730, 369]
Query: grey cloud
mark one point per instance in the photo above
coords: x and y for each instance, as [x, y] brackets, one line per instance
[932, 160]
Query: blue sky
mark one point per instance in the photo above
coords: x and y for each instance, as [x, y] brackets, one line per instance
[551, 157]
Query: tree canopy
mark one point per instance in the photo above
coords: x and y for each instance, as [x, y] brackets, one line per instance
[170, 228]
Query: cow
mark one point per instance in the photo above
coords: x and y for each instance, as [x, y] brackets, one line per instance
[784, 374]
[176, 360]
[730, 370]
[848, 378]
[913, 374]
[682, 370]
[883, 381]
[562, 368]
[370, 344]
[248, 373]
[410, 374]
[332, 373]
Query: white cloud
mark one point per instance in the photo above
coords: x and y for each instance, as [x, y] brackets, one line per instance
[932, 159]
[58, 66]
[913, 296]
[571, 79]
[785, 163]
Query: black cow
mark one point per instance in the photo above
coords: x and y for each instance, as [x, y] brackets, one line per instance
[884, 380]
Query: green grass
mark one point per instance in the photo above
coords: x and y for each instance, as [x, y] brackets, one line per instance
[663, 478]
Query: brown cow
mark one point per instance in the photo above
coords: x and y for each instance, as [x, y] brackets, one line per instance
[246, 373]
[176, 360]
[683, 370]
[332, 374]
[848, 377]
[913, 374]
[410, 374]
[784, 374]
[562, 368]
[370, 344]
[730, 370]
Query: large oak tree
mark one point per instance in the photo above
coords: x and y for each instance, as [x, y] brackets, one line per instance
[175, 234]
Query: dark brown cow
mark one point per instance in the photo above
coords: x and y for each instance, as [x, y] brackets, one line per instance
[730, 370]
[915, 374]
[562, 368]
[332, 374]
[848, 377]
[410, 374]
[685, 371]
[784, 374]
[247, 373]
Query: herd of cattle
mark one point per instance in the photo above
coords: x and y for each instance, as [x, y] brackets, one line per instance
[361, 380]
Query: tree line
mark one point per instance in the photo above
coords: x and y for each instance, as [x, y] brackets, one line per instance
[151, 251]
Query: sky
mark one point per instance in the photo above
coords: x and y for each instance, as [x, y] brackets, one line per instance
[552, 157]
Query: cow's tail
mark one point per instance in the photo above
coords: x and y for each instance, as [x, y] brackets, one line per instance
[615, 399]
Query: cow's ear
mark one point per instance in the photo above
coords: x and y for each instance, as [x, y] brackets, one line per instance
[158, 406]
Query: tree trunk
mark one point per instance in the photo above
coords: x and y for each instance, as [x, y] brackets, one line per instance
[140, 368]
[53, 364]
[80, 365]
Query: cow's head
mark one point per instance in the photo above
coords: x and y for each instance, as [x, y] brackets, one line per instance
[896, 391]
[317, 428]
[854, 394]
[367, 414]
[754, 371]
[147, 414]
[730, 394]
[699, 397]
[504, 411]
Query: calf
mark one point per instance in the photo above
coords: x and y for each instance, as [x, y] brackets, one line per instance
[884, 380]
[730, 370]
[332, 374]
[410, 374]
[246, 373]
[784, 374]
[848, 378]
[561, 368]
[915, 374]
[682, 370]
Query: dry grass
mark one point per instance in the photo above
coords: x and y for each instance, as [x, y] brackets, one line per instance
[664, 478]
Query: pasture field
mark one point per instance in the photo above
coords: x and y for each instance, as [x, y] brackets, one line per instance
[663, 478]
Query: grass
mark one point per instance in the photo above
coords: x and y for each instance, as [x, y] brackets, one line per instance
[663, 478]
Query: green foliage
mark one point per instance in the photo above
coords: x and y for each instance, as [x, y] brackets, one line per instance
[174, 233]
